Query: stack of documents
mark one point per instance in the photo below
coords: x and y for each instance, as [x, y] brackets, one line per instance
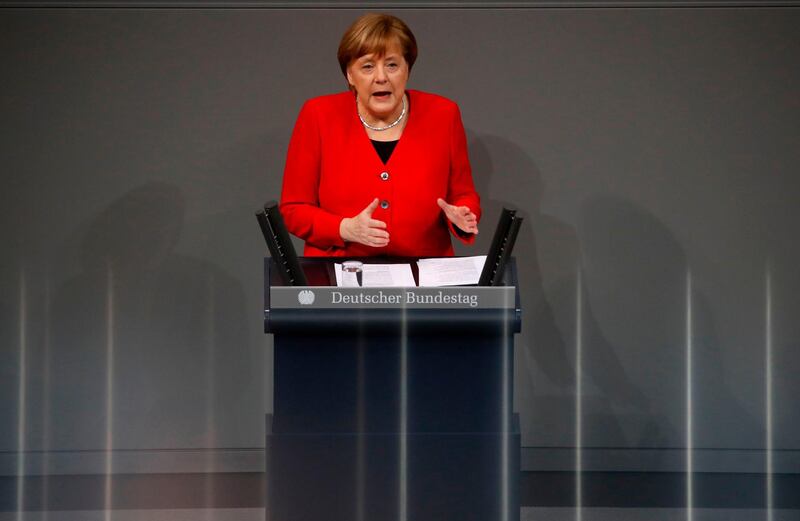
[381, 275]
[445, 271]
[450, 271]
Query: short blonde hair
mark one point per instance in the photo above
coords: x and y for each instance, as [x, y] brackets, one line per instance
[372, 33]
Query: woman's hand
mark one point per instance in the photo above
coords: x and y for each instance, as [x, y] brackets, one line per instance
[461, 216]
[363, 229]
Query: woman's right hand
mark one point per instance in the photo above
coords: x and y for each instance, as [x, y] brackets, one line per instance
[363, 229]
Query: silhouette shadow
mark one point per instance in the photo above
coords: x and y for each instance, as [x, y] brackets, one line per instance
[171, 330]
[636, 277]
[548, 259]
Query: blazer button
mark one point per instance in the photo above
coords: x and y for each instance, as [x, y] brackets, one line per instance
[384, 204]
[384, 176]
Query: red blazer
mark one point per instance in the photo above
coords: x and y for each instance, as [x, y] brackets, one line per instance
[333, 171]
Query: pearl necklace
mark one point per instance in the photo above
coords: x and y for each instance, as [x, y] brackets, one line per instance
[387, 127]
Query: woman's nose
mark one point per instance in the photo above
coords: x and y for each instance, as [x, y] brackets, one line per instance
[380, 75]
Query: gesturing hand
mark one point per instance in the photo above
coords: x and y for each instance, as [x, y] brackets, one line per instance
[461, 216]
[363, 229]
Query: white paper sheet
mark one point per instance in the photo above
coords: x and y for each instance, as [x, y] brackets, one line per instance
[381, 275]
[450, 271]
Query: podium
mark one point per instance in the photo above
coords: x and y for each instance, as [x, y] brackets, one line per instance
[391, 404]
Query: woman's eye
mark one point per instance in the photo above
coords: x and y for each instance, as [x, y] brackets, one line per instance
[366, 67]
[392, 66]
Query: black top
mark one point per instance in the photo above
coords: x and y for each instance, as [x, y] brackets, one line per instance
[384, 149]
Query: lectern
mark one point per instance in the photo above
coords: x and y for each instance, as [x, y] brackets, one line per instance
[391, 404]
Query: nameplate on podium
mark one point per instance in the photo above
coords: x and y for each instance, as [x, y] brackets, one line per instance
[457, 297]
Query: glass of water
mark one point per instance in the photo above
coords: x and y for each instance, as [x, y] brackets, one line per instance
[352, 274]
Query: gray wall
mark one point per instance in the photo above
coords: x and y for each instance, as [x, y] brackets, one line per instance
[641, 144]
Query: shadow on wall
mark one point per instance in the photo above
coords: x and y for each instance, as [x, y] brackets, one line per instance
[174, 327]
[633, 317]
[548, 257]
[636, 277]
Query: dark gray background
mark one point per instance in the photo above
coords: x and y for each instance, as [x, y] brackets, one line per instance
[641, 144]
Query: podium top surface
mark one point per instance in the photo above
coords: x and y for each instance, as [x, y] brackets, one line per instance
[319, 271]
[322, 303]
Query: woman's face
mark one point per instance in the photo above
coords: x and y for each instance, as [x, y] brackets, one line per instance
[380, 83]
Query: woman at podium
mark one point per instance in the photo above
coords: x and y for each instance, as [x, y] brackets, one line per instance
[379, 169]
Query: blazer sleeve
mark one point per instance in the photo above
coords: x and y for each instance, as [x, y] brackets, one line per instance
[461, 189]
[299, 204]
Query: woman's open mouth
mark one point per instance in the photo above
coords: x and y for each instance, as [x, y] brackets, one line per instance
[381, 95]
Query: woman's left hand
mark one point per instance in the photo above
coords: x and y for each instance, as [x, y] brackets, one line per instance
[461, 216]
